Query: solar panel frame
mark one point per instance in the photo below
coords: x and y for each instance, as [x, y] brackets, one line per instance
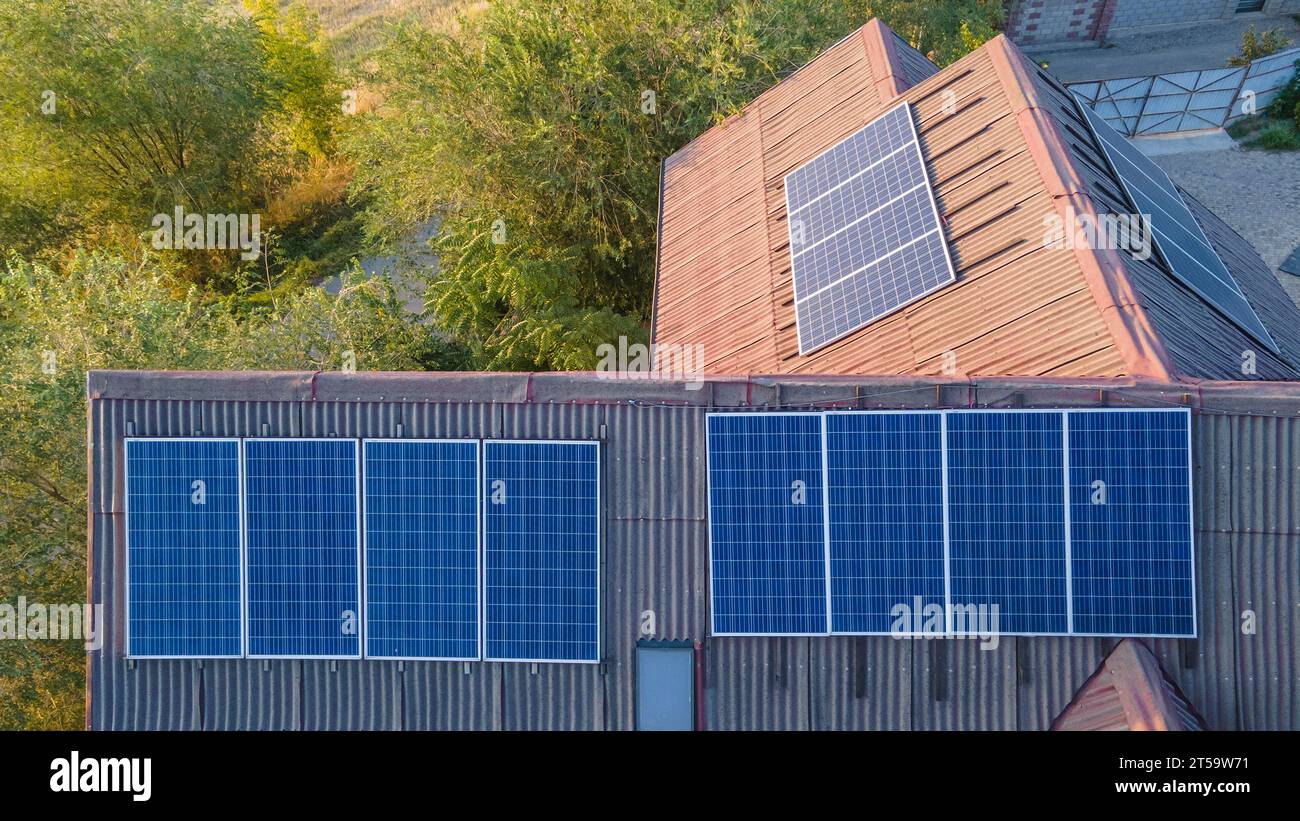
[1119, 146]
[360, 553]
[1065, 486]
[479, 637]
[942, 452]
[126, 573]
[598, 532]
[1042, 578]
[1191, 519]
[938, 231]
[708, 495]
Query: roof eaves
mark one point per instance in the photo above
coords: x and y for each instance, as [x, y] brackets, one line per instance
[1132, 332]
[886, 66]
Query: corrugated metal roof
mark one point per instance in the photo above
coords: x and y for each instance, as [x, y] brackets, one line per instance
[1247, 457]
[1006, 153]
[1129, 691]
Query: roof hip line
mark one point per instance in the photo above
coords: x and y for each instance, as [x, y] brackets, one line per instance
[1134, 335]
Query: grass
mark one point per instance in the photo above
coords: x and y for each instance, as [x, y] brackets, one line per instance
[1266, 133]
[355, 27]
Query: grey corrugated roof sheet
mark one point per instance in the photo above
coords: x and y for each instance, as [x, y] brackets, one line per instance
[1247, 456]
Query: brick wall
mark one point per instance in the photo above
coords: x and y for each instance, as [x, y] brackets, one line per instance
[1054, 21]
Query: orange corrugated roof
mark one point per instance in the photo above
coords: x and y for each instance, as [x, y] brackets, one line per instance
[1129, 691]
[1002, 167]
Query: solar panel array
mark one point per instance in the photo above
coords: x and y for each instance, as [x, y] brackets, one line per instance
[253, 548]
[184, 571]
[541, 551]
[1015, 522]
[1178, 237]
[865, 235]
[421, 535]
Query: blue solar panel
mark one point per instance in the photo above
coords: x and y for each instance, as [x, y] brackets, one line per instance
[766, 531]
[183, 548]
[1130, 535]
[1178, 236]
[542, 551]
[886, 518]
[959, 508]
[421, 569]
[865, 235]
[301, 512]
[1006, 518]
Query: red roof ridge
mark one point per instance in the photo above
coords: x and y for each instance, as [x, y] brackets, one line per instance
[1133, 333]
[1128, 691]
[882, 53]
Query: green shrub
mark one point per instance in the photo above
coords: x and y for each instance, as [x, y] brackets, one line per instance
[1280, 137]
[1254, 45]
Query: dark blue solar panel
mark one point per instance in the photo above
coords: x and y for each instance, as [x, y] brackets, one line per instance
[183, 556]
[865, 236]
[300, 500]
[767, 533]
[1130, 535]
[886, 518]
[542, 550]
[1178, 236]
[1006, 514]
[421, 570]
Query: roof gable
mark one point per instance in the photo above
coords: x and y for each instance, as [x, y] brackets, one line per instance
[1129, 691]
[1006, 154]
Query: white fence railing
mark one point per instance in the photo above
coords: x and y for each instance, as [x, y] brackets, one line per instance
[1188, 100]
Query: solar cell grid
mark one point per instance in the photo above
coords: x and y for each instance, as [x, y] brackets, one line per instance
[183, 562]
[542, 551]
[767, 531]
[865, 235]
[886, 517]
[1178, 238]
[303, 543]
[975, 510]
[421, 547]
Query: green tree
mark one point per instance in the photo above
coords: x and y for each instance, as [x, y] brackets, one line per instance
[942, 30]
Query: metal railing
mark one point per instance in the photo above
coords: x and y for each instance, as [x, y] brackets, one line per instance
[1189, 100]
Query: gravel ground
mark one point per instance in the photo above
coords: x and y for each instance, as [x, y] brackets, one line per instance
[1255, 192]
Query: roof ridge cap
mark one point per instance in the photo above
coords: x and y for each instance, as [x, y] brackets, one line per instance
[882, 56]
[1132, 331]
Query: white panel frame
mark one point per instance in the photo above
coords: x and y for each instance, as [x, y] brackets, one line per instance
[1067, 554]
[600, 648]
[356, 489]
[126, 536]
[478, 552]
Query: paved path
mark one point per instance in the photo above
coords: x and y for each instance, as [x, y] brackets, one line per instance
[1137, 55]
[1255, 192]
